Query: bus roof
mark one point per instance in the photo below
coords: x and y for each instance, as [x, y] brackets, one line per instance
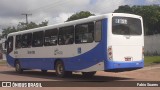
[74, 22]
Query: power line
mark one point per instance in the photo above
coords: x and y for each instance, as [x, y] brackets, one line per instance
[50, 6]
[56, 6]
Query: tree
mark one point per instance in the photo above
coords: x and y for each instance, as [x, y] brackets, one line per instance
[125, 8]
[8, 30]
[80, 15]
[150, 14]
[43, 23]
[22, 26]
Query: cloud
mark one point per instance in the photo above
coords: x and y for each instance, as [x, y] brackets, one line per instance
[61, 17]
[57, 11]
[105, 6]
[152, 1]
[52, 10]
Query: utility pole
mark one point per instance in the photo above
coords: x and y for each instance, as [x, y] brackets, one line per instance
[26, 17]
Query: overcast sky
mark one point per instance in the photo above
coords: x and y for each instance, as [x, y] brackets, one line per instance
[57, 11]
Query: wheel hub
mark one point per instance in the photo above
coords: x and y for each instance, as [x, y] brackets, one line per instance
[60, 69]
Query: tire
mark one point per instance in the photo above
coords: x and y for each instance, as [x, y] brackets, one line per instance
[60, 70]
[44, 71]
[18, 68]
[88, 74]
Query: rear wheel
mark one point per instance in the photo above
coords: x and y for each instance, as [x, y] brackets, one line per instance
[60, 70]
[88, 74]
[18, 67]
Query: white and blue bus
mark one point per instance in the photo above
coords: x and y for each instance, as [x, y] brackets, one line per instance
[109, 42]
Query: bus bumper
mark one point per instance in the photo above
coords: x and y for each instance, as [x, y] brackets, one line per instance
[123, 66]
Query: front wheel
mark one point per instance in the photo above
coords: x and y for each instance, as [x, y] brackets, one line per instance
[88, 74]
[18, 67]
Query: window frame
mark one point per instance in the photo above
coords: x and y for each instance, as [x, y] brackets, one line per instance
[20, 41]
[95, 31]
[65, 33]
[29, 45]
[49, 30]
[87, 23]
[41, 40]
[129, 34]
[10, 47]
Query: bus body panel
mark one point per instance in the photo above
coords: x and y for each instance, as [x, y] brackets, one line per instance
[85, 57]
[127, 50]
[124, 66]
[10, 60]
[77, 63]
[91, 56]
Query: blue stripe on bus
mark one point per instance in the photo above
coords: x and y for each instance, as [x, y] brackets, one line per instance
[82, 61]
[122, 65]
[10, 60]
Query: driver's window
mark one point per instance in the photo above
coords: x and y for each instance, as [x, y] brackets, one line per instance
[10, 44]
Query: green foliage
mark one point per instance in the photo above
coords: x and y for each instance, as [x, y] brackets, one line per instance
[3, 62]
[8, 30]
[22, 26]
[150, 14]
[148, 60]
[80, 15]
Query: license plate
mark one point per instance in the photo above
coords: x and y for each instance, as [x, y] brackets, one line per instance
[128, 58]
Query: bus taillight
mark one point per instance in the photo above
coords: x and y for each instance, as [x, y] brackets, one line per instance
[110, 54]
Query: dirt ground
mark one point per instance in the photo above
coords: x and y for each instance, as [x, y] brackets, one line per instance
[149, 73]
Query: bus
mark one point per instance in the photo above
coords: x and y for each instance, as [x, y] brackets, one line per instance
[111, 42]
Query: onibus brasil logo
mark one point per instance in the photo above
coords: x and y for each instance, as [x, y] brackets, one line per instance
[21, 84]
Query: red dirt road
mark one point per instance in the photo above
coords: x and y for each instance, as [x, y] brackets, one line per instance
[150, 73]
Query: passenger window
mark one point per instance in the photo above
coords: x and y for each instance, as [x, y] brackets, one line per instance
[18, 41]
[84, 33]
[66, 35]
[98, 31]
[50, 37]
[37, 39]
[26, 40]
[10, 44]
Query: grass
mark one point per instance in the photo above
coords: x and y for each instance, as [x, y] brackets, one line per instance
[2, 62]
[149, 60]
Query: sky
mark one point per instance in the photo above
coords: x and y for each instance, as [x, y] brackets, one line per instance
[57, 11]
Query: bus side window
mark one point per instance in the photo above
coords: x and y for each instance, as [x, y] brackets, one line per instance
[66, 35]
[10, 44]
[84, 33]
[37, 40]
[18, 42]
[50, 37]
[98, 31]
[26, 40]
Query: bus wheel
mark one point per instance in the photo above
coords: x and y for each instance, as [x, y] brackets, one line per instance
[88, 74]
[60, 70]
[18, 67]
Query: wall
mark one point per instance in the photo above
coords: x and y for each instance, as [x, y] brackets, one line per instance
[152, 44]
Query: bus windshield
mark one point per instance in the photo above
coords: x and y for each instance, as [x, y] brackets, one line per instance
[126, 26]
